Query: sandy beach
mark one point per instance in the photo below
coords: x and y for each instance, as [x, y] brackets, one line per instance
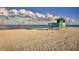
[66, 39]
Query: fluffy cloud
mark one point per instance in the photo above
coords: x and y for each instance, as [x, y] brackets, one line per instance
[48, 15]
[3, 11]
[39, 15]
[13, 12]
[27, 15]
[22, 12]
[25, 12]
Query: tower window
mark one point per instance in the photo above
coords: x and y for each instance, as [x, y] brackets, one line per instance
[58, 21]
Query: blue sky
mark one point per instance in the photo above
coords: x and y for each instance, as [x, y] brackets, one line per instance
[72, 12]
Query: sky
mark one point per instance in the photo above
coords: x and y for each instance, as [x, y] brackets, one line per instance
[72, 12]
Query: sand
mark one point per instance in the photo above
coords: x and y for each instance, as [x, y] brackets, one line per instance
[66, 39]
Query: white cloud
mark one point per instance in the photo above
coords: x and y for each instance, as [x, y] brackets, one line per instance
[22, 11]
[39, 15]
[13, 12]
[28, 16]
[48, 15]
[3, 11]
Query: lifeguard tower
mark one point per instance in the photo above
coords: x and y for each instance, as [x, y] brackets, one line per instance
[59, 24]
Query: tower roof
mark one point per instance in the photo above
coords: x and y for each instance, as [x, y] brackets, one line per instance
[61, 18]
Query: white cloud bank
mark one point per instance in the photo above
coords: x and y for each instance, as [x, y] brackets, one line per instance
[23, 16]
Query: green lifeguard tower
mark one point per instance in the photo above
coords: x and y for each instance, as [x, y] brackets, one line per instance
[59, 24]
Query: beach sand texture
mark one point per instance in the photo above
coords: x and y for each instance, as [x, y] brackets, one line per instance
[66, 39]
